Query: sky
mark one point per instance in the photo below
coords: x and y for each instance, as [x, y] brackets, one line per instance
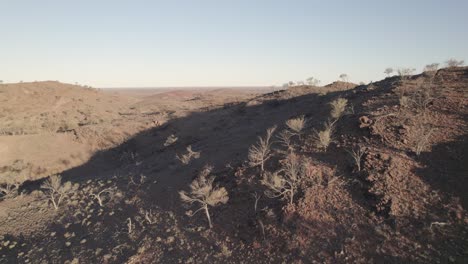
[136, 43]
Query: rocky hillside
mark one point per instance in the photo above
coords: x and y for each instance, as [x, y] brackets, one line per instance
[372, 173]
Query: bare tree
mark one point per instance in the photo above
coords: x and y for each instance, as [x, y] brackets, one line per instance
[431, 67]
[356, 155]
[186, 158]
[454, 63]
[261, 152]
[54, 189]
[204, 193]
[285, 182]
[388, 71]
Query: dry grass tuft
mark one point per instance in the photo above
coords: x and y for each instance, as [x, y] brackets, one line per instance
[324, 137]
[170, 140]
[338, 107]
[296, 125]
[187, 157]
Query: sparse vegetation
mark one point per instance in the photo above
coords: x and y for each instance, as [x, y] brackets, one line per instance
[187, 157]
[324, 137]
[312, 81]
[431, 67]
[357, 154]
[170, 140]
[405, 73]
[285, 182]
[421, 139]
[99, 196]
[338, 107]
[296, 125]
[55, 190]
[454, 63]
[344, 77]
[205, 193]
[261, 152]
[388, 71]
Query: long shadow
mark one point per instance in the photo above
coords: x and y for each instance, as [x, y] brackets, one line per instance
[222, 135]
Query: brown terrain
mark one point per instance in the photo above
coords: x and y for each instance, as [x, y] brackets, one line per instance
[386, 183]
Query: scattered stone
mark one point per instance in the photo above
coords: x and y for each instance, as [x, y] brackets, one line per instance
[68, 243]
[83, 241]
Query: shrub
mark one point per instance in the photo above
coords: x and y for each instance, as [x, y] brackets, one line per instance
[285, 139]
[405, 101]
[324, 137]
[296, 125]
[454, 63]
[204, 193]
[55, 190]
[261, 152]
[99, 196]
[186, 158]
[170, 140]
[431, 67]
[285, 182]
[338, 107]
[421, 142]
[404, 73]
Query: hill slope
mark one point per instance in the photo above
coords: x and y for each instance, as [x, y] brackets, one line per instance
[403, 202]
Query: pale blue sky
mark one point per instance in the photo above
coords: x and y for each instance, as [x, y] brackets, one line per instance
[217, 43]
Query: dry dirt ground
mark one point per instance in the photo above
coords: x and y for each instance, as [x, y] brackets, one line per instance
[404, 201]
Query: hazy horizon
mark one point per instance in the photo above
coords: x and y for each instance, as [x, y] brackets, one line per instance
[219, 43]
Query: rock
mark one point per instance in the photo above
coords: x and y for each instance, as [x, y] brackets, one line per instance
[170, 240]
[364, 121]
[68, 243]
[83, 241]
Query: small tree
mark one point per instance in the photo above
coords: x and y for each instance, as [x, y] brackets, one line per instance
[204, 193]
[454, 63]
[285, 182]
[404, 73]
[261, 152]
[338, 107]
[54, 189]
[431, 67]
[312, 81]
[344, 77]
[356, 155]
[388, 71]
